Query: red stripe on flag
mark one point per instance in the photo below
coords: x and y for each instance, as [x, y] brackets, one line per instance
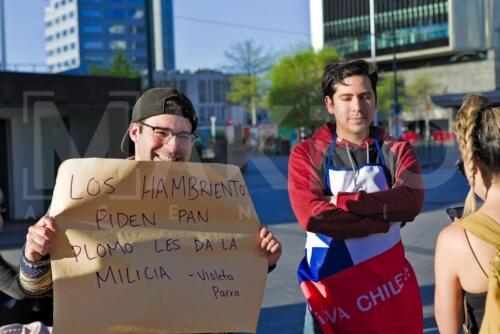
[380, 295]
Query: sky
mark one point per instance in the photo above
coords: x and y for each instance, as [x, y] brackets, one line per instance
[203, 29]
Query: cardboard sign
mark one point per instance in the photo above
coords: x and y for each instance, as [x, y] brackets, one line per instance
[154, 247]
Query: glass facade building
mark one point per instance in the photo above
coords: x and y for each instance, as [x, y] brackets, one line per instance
[417, 25]
[421, 31]
[80, 33]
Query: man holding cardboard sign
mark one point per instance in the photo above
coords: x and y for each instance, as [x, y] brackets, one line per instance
[116, 211]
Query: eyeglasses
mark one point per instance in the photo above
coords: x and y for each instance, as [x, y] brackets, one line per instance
[164, 135]
[460, 166]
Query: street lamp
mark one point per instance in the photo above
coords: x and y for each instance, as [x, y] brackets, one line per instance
[150, 41]
[395, 108]
[373, 46]
[373, 40]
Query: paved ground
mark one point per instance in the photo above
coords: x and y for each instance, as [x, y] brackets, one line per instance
[283, 305]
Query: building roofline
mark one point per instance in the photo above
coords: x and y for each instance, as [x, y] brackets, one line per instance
[456, 100]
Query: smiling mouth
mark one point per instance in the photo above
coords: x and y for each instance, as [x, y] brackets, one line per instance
[163, 157]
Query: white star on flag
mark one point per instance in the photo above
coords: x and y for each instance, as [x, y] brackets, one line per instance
[313, 242]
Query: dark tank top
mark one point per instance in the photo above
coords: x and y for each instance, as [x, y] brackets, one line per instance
[475, 310]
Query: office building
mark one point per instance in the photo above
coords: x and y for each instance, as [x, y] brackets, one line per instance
[457, 40]
[81, 33]
[453, 43]
[208, 90]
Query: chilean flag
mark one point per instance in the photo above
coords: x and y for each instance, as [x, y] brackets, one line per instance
[362, 285]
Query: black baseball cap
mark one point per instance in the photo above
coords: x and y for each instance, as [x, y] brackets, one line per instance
[152, 103]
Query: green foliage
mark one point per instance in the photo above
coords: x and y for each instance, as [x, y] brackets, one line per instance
[120, 67]
[385, 95]
[245, 90]
[295, 98]
[420, 90]
[249, 62]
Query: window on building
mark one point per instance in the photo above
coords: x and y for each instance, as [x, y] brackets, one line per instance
[210, 94]
[115, 14]
[134, 30]
[73, 61]
[202, 91]
[211, 112]
[140, 45]
[135, 14]
[73, 46]
[56, 20]
[71, 30]
[63, 18]
[91, 13]
[117, 29]
[91, 29]
[218, 93]
[203, 114]
[48, 24]
[92, 59]
[95, 45]
[71, 15]
[65, 48]
[220, 115]
[65, 33]
[114, 45]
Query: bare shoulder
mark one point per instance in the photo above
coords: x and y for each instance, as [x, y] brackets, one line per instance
[452, 237]
[449, 252]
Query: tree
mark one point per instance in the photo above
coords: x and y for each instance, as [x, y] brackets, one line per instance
[247, 58]
[296, 98]
[120, 67]
[248, 62]
[385, 95]
[419, 93]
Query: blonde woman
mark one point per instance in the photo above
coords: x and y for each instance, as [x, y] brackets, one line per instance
[465, 248]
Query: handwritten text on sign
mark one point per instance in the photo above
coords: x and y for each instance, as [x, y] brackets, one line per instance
[173, 244]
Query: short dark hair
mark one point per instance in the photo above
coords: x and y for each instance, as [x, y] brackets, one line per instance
[335, 73]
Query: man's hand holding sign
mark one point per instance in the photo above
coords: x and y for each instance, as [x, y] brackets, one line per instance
[128, 255]
[151, 247]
